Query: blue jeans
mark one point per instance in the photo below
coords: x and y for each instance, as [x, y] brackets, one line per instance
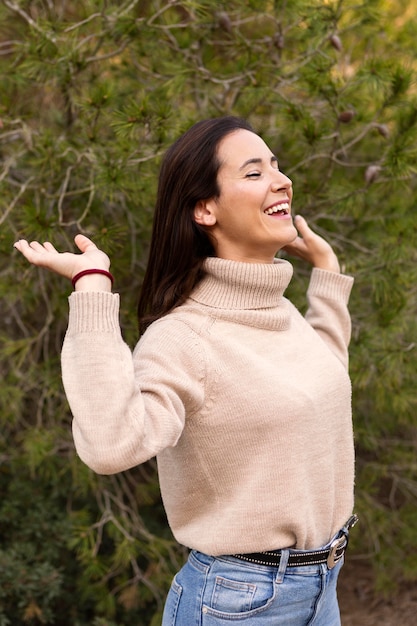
[225, 591]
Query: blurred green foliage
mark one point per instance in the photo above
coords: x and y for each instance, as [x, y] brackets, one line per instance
[92, 93]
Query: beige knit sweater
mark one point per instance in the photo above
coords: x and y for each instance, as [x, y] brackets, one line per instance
[246, 404]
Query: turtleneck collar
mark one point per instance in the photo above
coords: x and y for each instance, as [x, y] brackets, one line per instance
[249, 293]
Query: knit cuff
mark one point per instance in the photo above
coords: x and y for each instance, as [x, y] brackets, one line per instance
[92, 311]
[330, 285]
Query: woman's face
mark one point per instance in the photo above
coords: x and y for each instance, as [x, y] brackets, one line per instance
[251, 219]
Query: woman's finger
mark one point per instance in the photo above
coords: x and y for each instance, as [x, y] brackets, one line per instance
[83, 243]
[30, 251]
[38, 247]
[49, 247]
[302, 226]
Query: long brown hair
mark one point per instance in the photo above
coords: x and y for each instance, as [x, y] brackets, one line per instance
[179, 245]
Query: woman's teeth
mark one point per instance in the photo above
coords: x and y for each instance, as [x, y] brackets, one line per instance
[278, 208]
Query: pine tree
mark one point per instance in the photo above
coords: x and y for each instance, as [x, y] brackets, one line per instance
[92, 93]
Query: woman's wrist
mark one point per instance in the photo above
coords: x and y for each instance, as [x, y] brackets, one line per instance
[93, 279]
[330, 263]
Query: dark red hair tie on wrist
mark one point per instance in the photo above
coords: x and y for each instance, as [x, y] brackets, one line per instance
[92, 271]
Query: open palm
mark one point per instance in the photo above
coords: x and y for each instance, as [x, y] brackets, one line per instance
[66, 264]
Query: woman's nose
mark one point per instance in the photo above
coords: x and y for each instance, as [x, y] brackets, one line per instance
[281, 183]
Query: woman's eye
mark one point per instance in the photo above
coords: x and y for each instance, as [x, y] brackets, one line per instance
[253, 175]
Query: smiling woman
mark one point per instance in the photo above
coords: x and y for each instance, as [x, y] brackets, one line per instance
[256, 470]
[252, 189]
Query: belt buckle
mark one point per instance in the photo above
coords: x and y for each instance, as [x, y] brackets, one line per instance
[336, 544]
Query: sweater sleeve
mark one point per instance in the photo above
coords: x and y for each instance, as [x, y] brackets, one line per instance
[126, 407]
[328, 295]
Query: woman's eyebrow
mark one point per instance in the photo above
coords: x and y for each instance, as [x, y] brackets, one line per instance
[257, 161]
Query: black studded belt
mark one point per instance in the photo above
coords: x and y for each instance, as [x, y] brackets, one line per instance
[330, 555]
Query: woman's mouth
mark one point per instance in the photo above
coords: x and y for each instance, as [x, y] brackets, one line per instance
[280, 209]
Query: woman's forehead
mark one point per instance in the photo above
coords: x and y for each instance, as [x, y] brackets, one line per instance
[242, 146]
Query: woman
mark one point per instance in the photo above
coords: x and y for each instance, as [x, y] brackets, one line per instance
[245, 403]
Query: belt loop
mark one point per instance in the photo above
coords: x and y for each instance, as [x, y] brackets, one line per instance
[284, 556]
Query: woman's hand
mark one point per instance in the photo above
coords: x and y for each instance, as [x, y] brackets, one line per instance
[68, 264]
[312, 248]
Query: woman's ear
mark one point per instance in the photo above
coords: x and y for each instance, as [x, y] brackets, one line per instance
[203, 213]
